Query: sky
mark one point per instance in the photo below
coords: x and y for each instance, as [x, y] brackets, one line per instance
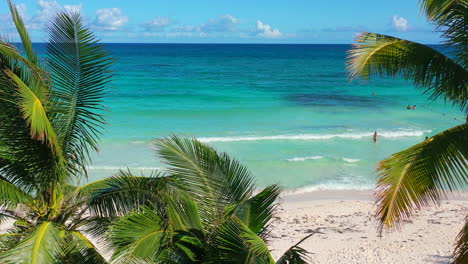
[229, 21]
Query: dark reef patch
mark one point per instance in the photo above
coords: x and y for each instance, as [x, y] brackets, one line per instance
[316, 99]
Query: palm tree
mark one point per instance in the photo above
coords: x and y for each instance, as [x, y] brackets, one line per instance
[51, 118]
[423, 173]
[203, 208]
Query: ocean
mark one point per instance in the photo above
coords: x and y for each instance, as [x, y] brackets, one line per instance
[288, 112]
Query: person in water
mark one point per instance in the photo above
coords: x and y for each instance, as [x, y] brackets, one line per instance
[376, 137]
[414, 107]
[408, 107]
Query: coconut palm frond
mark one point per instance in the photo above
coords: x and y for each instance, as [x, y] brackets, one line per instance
[213, 180]
[461, 249]
[34, 112]
[450, 18]
[124, 192]
[138, 236]
[12, 195]
[422, 174]
[23, 33]
[437, 74]
[257, 211]
[81, 250]
[237, 243]
[296, 254]
[79, 73]
[42, 246]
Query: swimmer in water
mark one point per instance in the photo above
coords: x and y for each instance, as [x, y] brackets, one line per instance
[414, 107]
[408, 107]
[376, 137]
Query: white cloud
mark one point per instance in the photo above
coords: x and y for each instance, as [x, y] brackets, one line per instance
[226, 23]
[110, 19]
[265, 30]
[399, 23]
[157, 24]
[46, 11]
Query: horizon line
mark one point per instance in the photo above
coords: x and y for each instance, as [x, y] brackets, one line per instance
[222, 43]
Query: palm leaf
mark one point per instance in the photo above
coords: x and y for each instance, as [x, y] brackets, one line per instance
[120, 194]
[440, 76]
[157, 234]
[79, 72]
[236, 243]
[213, 179]
[138, 236]
[12, 195]
[295, 254]
[23, 32]
[35, 113]
[461, 250]
[421, 174]
[12, 59]
[81, 250]
[42, 246]
[257, 211]
[450, 18]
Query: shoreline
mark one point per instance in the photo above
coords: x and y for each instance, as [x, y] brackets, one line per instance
[291, 196]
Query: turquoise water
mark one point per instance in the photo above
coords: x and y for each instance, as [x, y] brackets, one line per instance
[287, 111]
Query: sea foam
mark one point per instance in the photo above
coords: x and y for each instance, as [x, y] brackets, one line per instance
[351, 160]
[357, 135]
[305, 158]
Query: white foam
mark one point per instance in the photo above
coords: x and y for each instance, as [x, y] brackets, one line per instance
[357, 135]
[329, 186]
[305, 158]
[351, 160]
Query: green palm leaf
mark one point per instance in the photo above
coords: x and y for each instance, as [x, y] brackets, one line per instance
[461, 250]
[213, 180]
[42, 246]
[421, 174]
[79, 72]
[440, 76]
[257, 211]
[12, 59]
[23, 32]
[12, 195]
[81, 250]
[295, 254]
[236, 243]
[450, 18]
[35, 114]
[138, 236]
[120, 194]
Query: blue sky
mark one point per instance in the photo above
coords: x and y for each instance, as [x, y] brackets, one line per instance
[231, 21]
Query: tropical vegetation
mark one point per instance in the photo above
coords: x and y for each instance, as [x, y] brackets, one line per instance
[51, 116]
[203, 208]
[426, 172]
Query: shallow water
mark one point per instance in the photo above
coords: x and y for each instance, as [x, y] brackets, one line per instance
[287, 111]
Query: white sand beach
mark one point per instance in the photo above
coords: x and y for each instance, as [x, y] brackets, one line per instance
[349, 230]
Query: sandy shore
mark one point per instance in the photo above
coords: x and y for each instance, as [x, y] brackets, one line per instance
[349, 230]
